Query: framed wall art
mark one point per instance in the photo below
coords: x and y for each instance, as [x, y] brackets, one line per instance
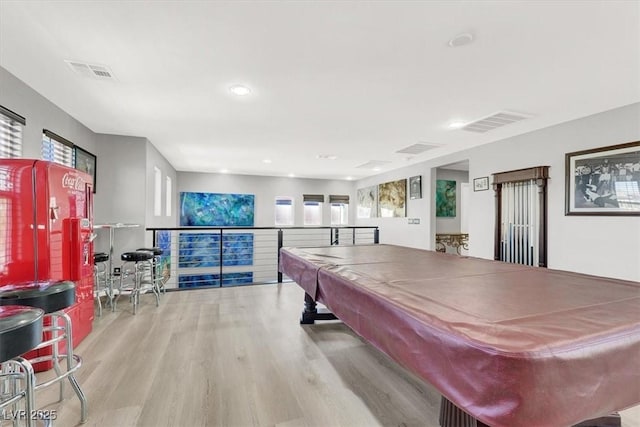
[85, 162]
[481, 184]
[603, 181]
[216, 210]
[445, 198]
[392, 197]
[415, 187]
[368, 202]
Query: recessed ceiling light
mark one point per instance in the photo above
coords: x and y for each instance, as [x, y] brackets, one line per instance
[224, 171]
[291, 175]
[240, 90]
[349, 178]
[266, 161]
[456, 124]
[461, 40]
[376, 169]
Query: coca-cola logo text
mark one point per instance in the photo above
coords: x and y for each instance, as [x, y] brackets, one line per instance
[72, 181]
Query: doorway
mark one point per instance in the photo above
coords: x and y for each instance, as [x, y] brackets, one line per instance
[521, 216]
[451, 208]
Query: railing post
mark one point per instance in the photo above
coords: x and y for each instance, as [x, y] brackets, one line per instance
[280, 238]
[221, 261]
[353, 234]
[337, 239]
[376, 236]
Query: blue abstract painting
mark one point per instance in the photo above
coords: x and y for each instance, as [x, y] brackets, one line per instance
[228, 279]
[164, 242]
[203, 249]
[216, 209]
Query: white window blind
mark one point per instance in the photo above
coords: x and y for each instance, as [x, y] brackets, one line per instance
[57, 149]
[10, 133]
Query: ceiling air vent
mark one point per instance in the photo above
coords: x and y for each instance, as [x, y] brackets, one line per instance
[494, 121]
[417, 148]
[373, 164]
[94, 71]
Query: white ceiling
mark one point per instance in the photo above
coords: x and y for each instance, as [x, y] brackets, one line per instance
[358, 80]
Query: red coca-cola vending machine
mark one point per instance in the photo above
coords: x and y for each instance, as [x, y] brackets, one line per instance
[46, 230]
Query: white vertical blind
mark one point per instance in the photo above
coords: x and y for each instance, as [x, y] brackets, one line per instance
[520, 222]
[10, 133]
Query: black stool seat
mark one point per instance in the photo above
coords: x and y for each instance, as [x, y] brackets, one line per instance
[136, 256]
[100, 257]
[20, 330]
[50, 298]
[155, 250]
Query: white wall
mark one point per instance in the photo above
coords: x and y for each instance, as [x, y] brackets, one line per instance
[398, 231]
[41, 114]
[122, 163]
[266, 189]
[121, 195]
[600, 245]
[155, 159]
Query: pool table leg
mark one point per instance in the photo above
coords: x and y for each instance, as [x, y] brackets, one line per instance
[310, 313]
[612, 420]
[452, 416]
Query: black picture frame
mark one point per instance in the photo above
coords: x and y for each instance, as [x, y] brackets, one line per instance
[415, 187]
[86, 162]
[481, 184]
[603, 181]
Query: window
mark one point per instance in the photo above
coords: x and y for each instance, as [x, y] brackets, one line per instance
[57, 149]
[168, 198]
[157, 192]
[339, 210]
[284, 211]
[313, 208]
[10, 133]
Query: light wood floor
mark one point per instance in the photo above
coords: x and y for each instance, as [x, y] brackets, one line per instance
[238, 357]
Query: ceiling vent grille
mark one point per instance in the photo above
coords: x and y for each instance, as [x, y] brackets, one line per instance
[94, 71]
[494, 121]
[417, 148]
[373, 164]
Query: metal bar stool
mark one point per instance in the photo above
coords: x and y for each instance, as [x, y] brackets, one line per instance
[101, 280]
[157, 277]
[20, 331]
[140, 261]
[52, 298]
